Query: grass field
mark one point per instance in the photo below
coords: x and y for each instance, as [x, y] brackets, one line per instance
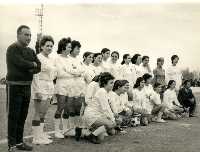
[175, 136]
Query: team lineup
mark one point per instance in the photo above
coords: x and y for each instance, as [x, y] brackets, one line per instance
[97, 96]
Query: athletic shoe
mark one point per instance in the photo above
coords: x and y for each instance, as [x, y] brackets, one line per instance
[160, 120]
[59, 135]
[42, 141]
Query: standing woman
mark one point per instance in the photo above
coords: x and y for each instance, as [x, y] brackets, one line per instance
[136, 61]
[105, 55]
[61, 88]
[87, 60]
[145, 65]
[174, 73]
[96, 66]
[114, 65]
[128, 73]
[76, 85]
[159, 74]
[43, 90]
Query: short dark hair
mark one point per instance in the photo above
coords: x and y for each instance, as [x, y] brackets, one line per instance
[115, 52]
[19, 29]
[86, 54]
[96, 78]
[75, 44]
[119, 83]
[170, 83]
[146, 76]
[134, 58]
[104, 50]
[156, 85]
[46, 38]
[174, 57]
[186, 81]
[104, 78]
[124, 57]
[95, 55]
[138, 81]
[62, 44]
[145, 57]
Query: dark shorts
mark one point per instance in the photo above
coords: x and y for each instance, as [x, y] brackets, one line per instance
[74, 105]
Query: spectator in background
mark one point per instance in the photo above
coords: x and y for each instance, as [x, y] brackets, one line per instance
[22, 63]
[186, 98]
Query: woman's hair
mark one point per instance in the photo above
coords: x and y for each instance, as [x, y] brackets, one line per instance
[156, 85]
[185, 82]
[134, 58]
[119, 83]
[124, 58]
[170, 83]
[46, 38]
[86, 54]
[96, 78]
[146, 76]
[95, 55]
[174, 57]
[62, 44]
[104, 50]
[75, 44]
[115, 52]
[145, 57]
[104, 78]
[138, 81]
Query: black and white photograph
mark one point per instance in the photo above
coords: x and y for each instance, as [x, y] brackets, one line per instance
[100, 76]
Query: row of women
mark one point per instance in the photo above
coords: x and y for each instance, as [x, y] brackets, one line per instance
[98, 96]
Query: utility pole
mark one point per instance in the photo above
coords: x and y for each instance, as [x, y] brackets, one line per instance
[39, 12]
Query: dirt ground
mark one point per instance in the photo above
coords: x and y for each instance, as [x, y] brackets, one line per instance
[175, 136]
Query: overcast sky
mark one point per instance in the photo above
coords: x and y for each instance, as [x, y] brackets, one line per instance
[149, 29]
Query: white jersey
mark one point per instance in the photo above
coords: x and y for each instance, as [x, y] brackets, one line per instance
[174, 73]
[128, 72]
[170, 98]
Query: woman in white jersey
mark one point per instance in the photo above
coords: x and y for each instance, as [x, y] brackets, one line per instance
[96, 65]
[128, 73]
[61, 89]
[43, 90]
[174, 73]
[76, 94]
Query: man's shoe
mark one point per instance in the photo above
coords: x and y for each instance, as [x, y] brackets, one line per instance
[12, 149]
[24, 146]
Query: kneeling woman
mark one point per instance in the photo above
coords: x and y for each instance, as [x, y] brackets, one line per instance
[98, 113]
[120, 104]
[43, 90]
[171, 102]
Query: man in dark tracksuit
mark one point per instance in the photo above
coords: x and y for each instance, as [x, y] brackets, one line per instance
[186, 98]
[22, 63]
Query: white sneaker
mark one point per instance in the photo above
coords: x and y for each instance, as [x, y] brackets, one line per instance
[160, 120]
[47, 135]
[59, 135]
[41, 141]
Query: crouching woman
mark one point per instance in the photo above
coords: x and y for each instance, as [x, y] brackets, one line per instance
[98, 114]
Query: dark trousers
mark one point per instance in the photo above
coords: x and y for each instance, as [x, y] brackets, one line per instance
[190, 105]
[18, 99]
